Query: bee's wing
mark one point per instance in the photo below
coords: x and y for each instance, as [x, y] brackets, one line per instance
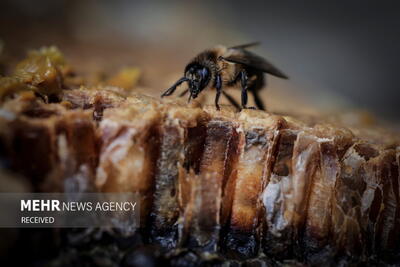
[243, 46]
[249, 59]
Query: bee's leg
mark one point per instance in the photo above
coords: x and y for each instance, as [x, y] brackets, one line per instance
[184, 93]
[258, 101]
[244, 80]
[232, 100]
[172, 89]
[258, 84]
[218, 86]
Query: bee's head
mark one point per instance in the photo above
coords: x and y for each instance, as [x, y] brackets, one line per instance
[198, 77]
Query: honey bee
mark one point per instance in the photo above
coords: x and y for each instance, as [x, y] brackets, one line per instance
[227, 66]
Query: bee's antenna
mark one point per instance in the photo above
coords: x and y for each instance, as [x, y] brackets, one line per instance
[172, 89]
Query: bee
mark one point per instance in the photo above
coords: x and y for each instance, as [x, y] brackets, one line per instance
[223, 66]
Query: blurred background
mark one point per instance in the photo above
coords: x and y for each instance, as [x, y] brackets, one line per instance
[339, 55]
